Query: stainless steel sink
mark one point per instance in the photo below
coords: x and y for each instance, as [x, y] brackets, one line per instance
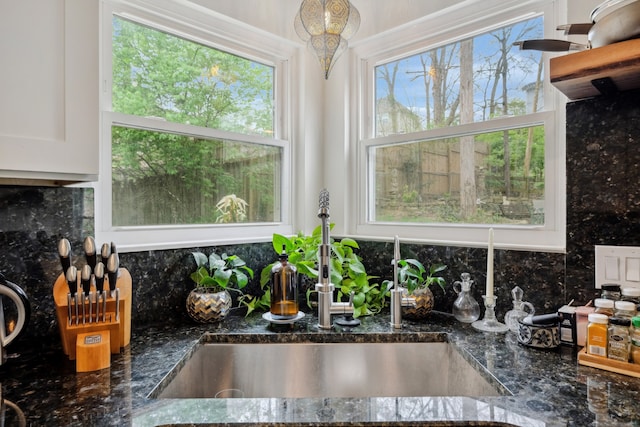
[307, 369]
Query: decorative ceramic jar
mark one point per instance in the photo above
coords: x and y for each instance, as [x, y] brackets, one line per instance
[424, 304]
[538, 335]
[206, 306]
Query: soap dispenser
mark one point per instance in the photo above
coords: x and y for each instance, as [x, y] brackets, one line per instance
[513, 316]
[284, 289]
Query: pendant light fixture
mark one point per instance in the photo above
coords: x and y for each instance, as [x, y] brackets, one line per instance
[326, 25]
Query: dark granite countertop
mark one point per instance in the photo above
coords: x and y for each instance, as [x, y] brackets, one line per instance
[544, 388]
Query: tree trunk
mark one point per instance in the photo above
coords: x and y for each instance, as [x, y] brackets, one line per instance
[467, 143]
[534, 108]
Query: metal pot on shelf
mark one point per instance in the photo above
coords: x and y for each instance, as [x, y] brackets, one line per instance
[611, 22]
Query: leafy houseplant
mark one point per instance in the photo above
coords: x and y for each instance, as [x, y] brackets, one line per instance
[413, 276]
[348, 274]
[215, 276]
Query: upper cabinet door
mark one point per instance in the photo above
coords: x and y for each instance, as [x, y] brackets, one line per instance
[49, 90]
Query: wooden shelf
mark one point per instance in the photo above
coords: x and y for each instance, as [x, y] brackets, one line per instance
[631, 369]
[594, 72]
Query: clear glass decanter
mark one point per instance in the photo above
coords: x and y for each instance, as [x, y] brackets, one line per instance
[465, 308]
[513, 316]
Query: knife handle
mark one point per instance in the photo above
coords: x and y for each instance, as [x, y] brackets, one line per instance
[72, 280]
[89, 246]
[86, 279]
[99, 275]
[105, 251]
[112, 270]
[64, 251]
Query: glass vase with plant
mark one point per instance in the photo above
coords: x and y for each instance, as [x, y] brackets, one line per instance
[215, 276]
[416, 279]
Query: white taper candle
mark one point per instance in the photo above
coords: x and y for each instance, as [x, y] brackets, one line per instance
[489, 291]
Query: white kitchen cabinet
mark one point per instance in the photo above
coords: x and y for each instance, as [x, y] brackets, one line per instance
[49, 91]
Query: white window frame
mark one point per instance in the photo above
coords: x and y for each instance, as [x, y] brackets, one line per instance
[466, 19]
[220, 32]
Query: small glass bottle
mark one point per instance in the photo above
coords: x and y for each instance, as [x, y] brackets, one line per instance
[625, 309]
[465, 308]
[618, 339]
[604, 306]
[597, 334]
[631, 294]
[284, 289]
[513, 316]
[635, 340]
[610, 291]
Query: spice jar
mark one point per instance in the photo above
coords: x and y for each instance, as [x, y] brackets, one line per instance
[631, 294]
[618, 339]
[625, 309]
[597, 334]
[635, 340]
[610, 291]
[582, 320]
[604, 306]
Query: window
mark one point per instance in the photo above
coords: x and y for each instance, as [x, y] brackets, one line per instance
[463, 136]
[194, 135]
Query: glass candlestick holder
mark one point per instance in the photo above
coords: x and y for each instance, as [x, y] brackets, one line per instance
[489, 323]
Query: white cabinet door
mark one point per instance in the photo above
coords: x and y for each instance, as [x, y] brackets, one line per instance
[49, 90]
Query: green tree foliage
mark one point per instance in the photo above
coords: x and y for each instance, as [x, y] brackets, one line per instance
[161, 76]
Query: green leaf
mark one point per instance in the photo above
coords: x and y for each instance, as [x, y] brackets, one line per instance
[200, 258]
[265, 274]
[349, 242]
[280, 241]
[357, 267]
[241, 279]
[358, 299]
[306, 268]
[215, 258]
[317, 232]
[222, 276]
[216, 264]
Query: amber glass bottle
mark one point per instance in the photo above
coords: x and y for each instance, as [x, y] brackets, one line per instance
[284, 289]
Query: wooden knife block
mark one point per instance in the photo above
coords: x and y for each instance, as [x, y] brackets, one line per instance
[119, 330]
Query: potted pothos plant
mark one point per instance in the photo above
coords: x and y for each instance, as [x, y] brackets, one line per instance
[348, 273]
[215, 276]
[416, 279]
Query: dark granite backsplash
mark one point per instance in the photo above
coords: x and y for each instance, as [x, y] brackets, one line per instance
[602, 208]
[603, 169]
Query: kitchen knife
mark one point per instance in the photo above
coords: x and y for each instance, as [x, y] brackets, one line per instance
[114, 251]
[64, 251]
[85, 279]
[99, 284]
[105, 251]
[72, 281]
[98, 272]
[112, 272]
[89, 246]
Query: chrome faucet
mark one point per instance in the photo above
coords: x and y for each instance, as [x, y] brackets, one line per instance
[398, 300]
[324, 287]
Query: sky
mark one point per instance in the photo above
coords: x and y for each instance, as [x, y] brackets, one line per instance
[522, 69]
